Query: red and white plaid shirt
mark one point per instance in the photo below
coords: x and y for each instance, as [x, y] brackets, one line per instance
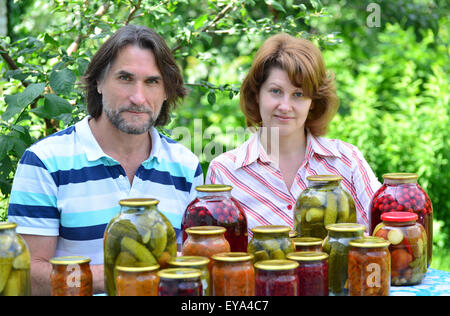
[259, 187]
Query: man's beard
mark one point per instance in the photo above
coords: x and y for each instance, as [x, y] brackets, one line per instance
[116, 119]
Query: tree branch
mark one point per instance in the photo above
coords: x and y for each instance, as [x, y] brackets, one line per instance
[133, 12]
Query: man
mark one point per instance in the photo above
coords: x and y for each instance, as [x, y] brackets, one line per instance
[67, 186]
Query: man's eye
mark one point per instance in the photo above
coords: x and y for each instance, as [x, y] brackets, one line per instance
[124, 77]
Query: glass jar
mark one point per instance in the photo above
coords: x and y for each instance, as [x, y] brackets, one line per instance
[233, 274]
[138, 236]
[369, 267]
[205, 241]
[312, 272]
[214, 206]
[276, 278]
[195, 262]
[323, 203]
[179, 282]
[71, 276]
[308, 244]
[270, 242]
[137, 281]
[408, 246]
[400, 192]
[14, 262]
[336, 245]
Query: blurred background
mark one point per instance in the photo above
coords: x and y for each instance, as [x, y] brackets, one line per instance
[390, 60]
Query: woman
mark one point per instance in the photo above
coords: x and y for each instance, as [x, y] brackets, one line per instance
[290, 99]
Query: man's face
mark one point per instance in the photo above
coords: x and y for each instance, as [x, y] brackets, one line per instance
[133, 90]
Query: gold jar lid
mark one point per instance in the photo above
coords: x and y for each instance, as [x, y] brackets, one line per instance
[138, 269]
[233, 256]
[67, 260]
[400, 176]
[213, 188]
[293, 233]
[276, 265]
[205, 230]
[188, 261]
[138, 202]
[179, 273]
[7, 225]
[324, 177]
[307, 256]
[346, 227]
[369, 242]
[271, 229]
[307, 241]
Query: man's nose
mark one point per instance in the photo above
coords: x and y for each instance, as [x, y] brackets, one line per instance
[137, 96]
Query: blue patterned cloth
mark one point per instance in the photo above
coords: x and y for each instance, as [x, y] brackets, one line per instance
[435, 283]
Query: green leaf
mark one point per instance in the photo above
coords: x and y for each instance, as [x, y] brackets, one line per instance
[53, 107]
[19, 101]
[211, 97]
[62, 81]
[275, 5]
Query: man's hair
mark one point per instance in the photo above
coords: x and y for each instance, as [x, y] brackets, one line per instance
[305, 66]
[144, 38]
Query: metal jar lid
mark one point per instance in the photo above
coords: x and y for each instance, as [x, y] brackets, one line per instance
[324, 178]
[307, 256]
[270, 229]
[205, 230]
[179, 273]
[7, 225]
[213, 188]
[276, 265]
[67, 260]
[233, 256]
[369, 242]
[138, 269]
[138, 202]
[346, 227]
[307, 241]
[188, 261]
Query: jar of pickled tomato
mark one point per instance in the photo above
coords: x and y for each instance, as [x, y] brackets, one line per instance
[276, 278]
[71, 276]
[214, 206]
[137, 281]
[312, 272]
[233, 274]
[179, 282]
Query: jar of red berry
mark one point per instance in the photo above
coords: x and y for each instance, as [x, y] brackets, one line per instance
[276, 278]
[401, 193]
[179, 282]
[408, 246]
[312, 272]
[214, 206]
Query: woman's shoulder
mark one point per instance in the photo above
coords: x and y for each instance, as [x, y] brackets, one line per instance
[339, 146]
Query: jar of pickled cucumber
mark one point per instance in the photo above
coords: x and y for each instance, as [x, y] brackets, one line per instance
[14, 262]
[179, 282]
[233, 274]
[408, 246]
[308, 244]
[195, 262]
[270, 242]
[400, 192]
[336, 245]
[369, 267]
[137, 281]
[312, 272]
[138, 236]
[71, 276]
[214, 206]
[324, 202]
[276, 278]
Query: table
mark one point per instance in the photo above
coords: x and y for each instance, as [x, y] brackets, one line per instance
[435, 283]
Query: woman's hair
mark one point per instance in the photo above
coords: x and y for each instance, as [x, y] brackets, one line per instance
[305, 67]
[144, 38]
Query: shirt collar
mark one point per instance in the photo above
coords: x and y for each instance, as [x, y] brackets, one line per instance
[320, 146]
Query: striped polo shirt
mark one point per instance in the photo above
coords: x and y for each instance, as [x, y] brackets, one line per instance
[66, 186]
[259, 187]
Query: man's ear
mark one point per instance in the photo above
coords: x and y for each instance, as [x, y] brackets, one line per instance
[99, 87]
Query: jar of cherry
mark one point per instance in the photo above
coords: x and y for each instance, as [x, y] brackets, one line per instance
[214, 206]
[401, 193]
[276, 278]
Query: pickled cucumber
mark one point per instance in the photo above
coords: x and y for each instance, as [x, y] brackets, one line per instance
[6, 265]
[338, 268]
[331, 211]
[125, 259]
[261, 255]
[22, 261]
[158, 239]
[314, 215]
[139, 251]
[277, 254]
[270, 245]
[344, 208]
[17, 283]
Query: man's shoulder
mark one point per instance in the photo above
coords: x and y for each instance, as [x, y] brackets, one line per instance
[177, 152]
[56, 140]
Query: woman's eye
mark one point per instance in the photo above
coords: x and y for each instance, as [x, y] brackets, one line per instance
[275, 91]
[298, 94]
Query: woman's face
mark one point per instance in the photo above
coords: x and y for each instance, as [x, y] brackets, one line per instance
[282, 104]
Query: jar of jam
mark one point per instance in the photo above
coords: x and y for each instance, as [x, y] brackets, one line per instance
[400, 192]
[71, 276]
[233, 274]
[214, 206]
[14, 262]
[195, 262]
[369, 267]
[270, 242]
[137, 281]
[308, 244]
[408, 246]
[140, 235]
[205, 241]
[324, 202]
[336, 245]
[276, 278]
[179, 282]
[312, 272]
